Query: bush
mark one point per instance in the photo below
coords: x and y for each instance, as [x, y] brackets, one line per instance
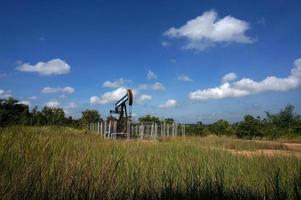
[219, 127]
[249, 128]
[12, 112]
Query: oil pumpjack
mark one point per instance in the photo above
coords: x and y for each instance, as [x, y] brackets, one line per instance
[122, 111]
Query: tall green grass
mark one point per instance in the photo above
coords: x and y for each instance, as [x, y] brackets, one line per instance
[63, 163]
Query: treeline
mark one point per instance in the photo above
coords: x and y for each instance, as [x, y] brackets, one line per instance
[284, 123]
[14, 113]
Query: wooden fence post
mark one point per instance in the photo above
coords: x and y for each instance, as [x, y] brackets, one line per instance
[128, 129]
[151, 131]
[161, 129]
[164, 128]
[176, 129]
[167, 129]
[105, 129]
[156, 130]
[141, 131]
[109, 131]
[183, 129]
[101, 130]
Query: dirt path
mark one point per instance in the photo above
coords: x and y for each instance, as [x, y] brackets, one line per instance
[293, 146]
[267, 152]
[293, 149]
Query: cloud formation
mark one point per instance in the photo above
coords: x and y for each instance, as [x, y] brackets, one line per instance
[53, 104]
[151, 75]
[229, 77]
[33, 98]
[165, 43]
[71, 105]
[24, 102]
[184, 78]
[248, 86]
[66, 90]
[109, 97]
[5, 94]
[52, 67]
[156, 86]
[115, 84]
[208, 29]
[171, 103]
[143, 98]
[70, 108]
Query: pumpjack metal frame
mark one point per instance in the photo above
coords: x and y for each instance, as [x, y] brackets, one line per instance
[121, 110]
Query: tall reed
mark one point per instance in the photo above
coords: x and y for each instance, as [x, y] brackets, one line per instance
[64, 163]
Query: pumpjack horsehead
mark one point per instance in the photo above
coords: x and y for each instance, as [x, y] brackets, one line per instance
[121, 110]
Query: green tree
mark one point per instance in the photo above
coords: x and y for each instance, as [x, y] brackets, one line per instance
[285, 118]
[53, 116]
[169, 120]
[75, 123]
[219, 127]
[284, 122]
[90, 116]
[250, 127]
[36, 117]
[12, 112]
[149, 118]
[195, 129]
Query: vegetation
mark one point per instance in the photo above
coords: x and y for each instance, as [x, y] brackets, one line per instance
[65, 163]
[14, 113]
[90, 116]
[149, 118]
[41, 158]
[286, 123]
[11, 112]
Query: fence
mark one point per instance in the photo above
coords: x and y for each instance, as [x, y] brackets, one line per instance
[108, 129]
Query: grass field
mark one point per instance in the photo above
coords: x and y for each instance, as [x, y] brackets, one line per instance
[64, 163]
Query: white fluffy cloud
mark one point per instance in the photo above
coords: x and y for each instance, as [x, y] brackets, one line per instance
[70, 108]
[169, 104]
[229, 77]
[24, 102]
[143, 97]
[165, 43]
[155, 86]
[33, 98]
[184, 78]
[66, 90]
[248, 86]
[151, 75]
[52, 67]
[207, 29]
[71, 105]
[5, 94]
[109, 97]
[53, 104]
[143, 86]
[115, 84]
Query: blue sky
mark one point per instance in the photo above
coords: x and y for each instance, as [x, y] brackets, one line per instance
[190, 60]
